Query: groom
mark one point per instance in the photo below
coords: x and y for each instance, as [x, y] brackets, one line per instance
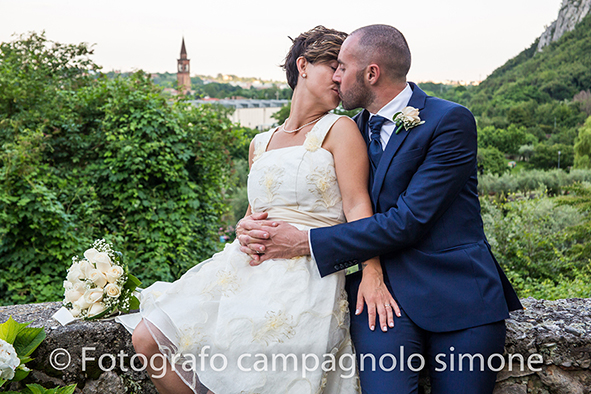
[427, 230]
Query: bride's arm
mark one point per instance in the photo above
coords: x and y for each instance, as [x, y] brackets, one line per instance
[352, 169]
[250, 160]
[249, 209]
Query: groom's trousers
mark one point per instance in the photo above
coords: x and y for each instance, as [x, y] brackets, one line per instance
[458, 362]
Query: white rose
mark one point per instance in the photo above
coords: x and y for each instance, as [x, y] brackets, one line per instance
[95, 309]
[93, 296]
[113, 290]
[102, 261]
[68, 285]
[86, 268]
[80, 287]
[82, 303]
[73, 295]
[9, 360]
[74, 273]
[98, 278]
[411, 112]
[410, 117]
[114, 273]
[90, 253]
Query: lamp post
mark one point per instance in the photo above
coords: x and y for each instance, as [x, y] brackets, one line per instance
[558, 159]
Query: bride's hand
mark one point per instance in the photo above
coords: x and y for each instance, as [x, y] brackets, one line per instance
[374, 293]
[249, 233]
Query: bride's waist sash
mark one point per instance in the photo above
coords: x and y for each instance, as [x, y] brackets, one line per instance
[308, 219]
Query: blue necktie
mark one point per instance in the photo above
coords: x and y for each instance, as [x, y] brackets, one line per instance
[375, 147]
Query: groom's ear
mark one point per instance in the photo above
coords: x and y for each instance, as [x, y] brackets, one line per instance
[372, 73]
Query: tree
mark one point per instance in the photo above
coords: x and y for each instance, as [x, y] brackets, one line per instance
[584, 100]
[85, 157]
[282, 114]
[526, 151]
[546, 156]
[583, 146]
[491, 161]
[507, 140]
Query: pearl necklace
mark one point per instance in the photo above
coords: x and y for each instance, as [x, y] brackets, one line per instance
[299, 128]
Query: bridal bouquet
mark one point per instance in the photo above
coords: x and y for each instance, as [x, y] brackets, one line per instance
[99, 285]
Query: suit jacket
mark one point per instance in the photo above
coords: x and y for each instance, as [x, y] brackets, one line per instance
[427, 228]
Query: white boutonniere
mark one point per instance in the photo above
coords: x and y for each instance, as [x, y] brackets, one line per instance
[407, 118]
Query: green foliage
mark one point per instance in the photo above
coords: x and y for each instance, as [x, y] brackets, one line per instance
[526, 151]
[38, 389]
[456, 93]
[24, 340]
[238, 196]
[543, 247]
[546, 156]
[536, 98]
[348, 112]
[507, 140]
[282, 114]
[554, 181]
[582, 147]
[557, 73]
[491, 161]
[578, 195]
[86, 158]
[169, 80]
[226, 90]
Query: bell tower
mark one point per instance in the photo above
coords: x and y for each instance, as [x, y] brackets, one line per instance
[182, 76]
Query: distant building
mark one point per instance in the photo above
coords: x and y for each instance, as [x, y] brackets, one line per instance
[182, 76]
[255, 114]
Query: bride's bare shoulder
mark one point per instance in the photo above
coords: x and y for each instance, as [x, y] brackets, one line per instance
[344, 133]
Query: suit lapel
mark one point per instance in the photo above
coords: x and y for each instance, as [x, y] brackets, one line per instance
[417, 100]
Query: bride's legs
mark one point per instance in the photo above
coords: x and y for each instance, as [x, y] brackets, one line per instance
[170, 383]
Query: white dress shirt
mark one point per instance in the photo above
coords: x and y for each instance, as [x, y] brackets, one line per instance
[388, 111]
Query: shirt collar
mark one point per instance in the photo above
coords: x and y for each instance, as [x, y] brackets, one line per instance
[397, 104]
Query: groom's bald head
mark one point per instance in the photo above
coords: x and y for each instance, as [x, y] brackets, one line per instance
[385, 46]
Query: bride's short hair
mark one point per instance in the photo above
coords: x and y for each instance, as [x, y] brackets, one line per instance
[318, 45]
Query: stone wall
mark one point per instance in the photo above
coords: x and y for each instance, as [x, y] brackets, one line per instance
[555, 336]
[571, 13]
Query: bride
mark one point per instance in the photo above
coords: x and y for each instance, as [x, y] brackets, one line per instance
[227, 327]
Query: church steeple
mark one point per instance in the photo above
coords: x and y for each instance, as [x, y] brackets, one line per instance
[183, 50]
[183, 77]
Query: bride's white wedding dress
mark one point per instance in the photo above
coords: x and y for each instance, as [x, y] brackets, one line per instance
[247, 329]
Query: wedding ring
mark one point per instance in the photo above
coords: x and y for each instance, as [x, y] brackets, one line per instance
[387, 305]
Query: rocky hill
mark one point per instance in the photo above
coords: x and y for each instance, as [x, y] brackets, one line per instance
[571, 13]
[555, 75]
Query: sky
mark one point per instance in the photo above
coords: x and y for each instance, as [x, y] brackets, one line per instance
[450, 40]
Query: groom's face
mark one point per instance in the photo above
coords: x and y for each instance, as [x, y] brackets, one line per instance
[350, 77]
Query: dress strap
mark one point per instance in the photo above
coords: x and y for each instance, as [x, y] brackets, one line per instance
[261, 141]
[321, 129]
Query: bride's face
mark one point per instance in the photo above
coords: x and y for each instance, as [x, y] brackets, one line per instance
[321, 85]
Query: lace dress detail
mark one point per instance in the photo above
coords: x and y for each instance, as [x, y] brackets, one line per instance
[243, 329]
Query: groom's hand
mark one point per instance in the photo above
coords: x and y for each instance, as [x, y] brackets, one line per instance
[264, 240]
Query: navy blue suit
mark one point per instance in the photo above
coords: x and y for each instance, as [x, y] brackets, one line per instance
[427, 228]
